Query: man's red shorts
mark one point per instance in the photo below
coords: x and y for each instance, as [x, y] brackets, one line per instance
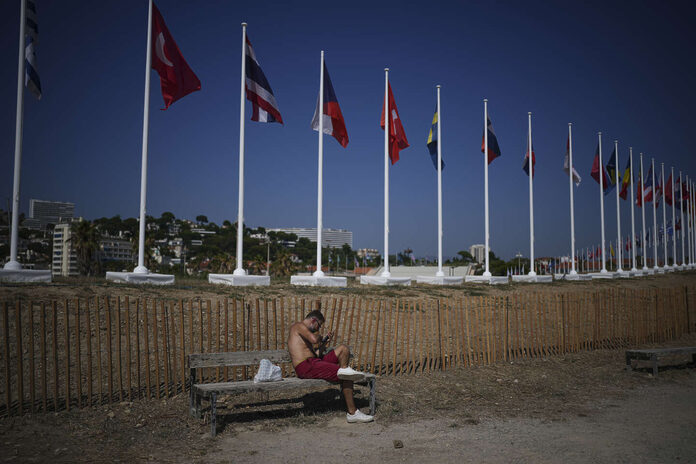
[325, 368]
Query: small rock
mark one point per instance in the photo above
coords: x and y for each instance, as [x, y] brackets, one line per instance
[499, 380]
[127, 411]
[516, 381]
[398, 444]
[111, 415]
[138, 425]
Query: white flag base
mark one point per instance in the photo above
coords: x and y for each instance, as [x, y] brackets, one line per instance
[484, 279]
[140, 278]
[382, 280]
[440, 280]
[532, 278]
[648, 271]
[25, 275]
[670, 269]
[625, 274]
[604, 275]
[572, 277]
[318, 281]
[659, 270]
[239, 280]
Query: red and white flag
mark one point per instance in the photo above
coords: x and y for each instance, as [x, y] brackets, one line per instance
[176, 77]
[397, 135]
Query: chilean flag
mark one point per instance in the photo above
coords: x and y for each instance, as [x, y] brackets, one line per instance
[176, 77]
[334, 124]
[493, 148]
[525, 166]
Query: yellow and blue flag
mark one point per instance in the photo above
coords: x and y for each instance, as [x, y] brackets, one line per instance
[432, 142]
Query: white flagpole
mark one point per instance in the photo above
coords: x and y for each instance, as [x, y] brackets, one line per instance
[674, 225]
[239, 268]
[531, 195]
[664, 216]
[570, 183]
[13, 264]
[487, 272]
[642, 204]
[387, 119]
[681, 212]
[654, 194]
[320, 177]
[687, 225]
[633, 220]
[601, 202]
[691, 222]
[619, 266]
[439, 273]
[141, 269]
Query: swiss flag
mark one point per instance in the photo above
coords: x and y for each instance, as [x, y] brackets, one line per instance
[176, 77]
[397, 136]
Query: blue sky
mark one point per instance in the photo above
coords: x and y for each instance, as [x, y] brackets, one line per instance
[622, 68]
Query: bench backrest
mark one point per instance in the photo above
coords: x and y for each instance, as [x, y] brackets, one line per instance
[237, 358]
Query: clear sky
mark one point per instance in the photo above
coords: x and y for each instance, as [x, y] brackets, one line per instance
[623, 68]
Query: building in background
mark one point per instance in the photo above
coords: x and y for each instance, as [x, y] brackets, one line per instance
[368, 253]
[332, 238]
[115, 249]
[63, 258]
[478, 252]
[42, 213]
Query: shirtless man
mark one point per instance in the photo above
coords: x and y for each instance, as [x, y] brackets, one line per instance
[332, 366]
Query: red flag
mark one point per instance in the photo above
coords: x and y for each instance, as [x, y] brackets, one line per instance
[595, 171]
[177, 79]
[397, 136]
[668, 191]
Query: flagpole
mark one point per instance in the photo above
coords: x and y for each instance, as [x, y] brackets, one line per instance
[387, 118]
[601, 201]
[530, 166]
[681, 212]
[687, 226]
[439, 273]
[642, 204]
[572, 205]
[239, 268]
[13, 264]
[619, 264]
[674, 224]
[664, 215]
[487, 272]
[633, 221]
[320, 177]
[691, 222]
[654, 192]
[141, 269]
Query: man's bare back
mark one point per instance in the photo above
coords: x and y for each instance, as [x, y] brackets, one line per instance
[300, 343]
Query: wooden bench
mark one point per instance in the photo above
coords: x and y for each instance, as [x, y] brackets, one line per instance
[655, 355]
[211, 391]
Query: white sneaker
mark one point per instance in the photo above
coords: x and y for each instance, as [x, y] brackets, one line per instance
[348, 373]
[359, 417]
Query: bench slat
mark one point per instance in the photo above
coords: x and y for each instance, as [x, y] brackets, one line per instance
[238, 358]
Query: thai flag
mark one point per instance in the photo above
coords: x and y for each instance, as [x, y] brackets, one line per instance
[525, 166]
[648, 187]
[31, 75]
[334, 124]
[258, 90]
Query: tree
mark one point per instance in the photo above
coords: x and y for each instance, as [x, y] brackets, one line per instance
[283, 265]
[201, 219]
[85, 239]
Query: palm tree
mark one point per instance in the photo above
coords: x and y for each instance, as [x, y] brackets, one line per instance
[283, 265]
[85, 239]
[223, 263]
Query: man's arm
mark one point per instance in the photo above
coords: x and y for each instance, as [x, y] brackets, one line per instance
[307, 334]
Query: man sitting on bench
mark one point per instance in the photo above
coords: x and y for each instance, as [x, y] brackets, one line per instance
[332, 366]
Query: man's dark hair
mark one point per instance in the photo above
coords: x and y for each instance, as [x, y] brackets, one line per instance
[316, 313]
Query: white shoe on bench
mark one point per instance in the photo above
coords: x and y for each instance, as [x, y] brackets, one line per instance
[359, 416]
[348, 373]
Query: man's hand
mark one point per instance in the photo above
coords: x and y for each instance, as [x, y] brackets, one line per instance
[328, 337]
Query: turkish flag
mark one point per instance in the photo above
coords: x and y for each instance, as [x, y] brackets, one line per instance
[176, 77]
[397, 136]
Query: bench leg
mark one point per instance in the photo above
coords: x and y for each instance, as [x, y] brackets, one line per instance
[213, 414]
[653, 359]
[628, 362]
[372, 396]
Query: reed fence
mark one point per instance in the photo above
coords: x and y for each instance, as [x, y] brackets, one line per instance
[71, 353]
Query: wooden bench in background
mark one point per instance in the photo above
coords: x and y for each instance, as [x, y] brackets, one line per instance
[657, 354]
[211, 391]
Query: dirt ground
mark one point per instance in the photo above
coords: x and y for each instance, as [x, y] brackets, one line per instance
[581, 407]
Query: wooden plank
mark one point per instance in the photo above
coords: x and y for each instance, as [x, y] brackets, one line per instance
[200, 339]
[357, 326]
[407, 352]
[258, 323]
[469, 353]
[6, 332]
[209, 311]
[155, 345]
[165, 348]
[32, 385]
[44, 380]
[137, 345]
[275, 325]
[243, 340]
[146, 334]
[386, 328]
[182, 344]
[54, 340]
[66, 326]
[90, 397]
[128, 350]
[476, 329]
[235, 359]
[347, 336]
[369, 335]
[109, 360]
[234, 333]
[78, 362]
[395, 335]
[217, 327]
[374, 346]
[119, 365]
